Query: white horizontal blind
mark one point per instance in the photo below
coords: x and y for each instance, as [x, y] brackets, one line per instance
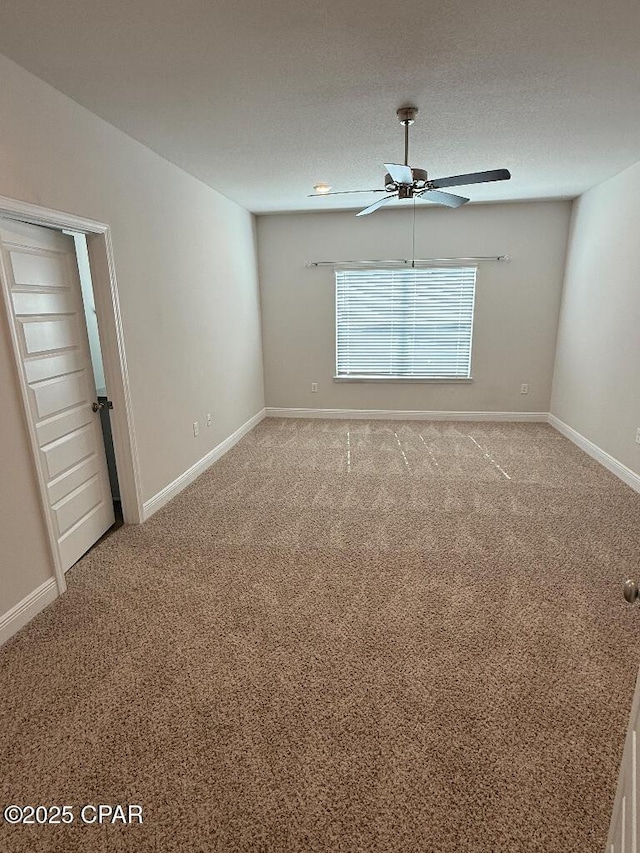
[405, 323]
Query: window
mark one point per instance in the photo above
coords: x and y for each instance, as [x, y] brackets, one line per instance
[404, 323]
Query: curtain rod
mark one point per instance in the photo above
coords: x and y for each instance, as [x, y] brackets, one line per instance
[405, 262]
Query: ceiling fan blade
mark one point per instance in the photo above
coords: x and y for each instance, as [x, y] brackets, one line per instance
[400, 174]
[376, 205]
[448, 199]
[343, 192]
[474, 178]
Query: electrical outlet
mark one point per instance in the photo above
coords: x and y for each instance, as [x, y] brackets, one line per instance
[209, 419]
[638, 436]
[524, 388]
[314, 387]
[196, 428]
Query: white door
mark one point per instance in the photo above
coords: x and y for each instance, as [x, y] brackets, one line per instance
[623, 831]
[50, 334]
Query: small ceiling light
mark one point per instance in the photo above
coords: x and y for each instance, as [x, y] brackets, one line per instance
[322, 189]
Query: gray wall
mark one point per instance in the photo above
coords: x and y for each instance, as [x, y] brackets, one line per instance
[185, 260]
[596, 386]
[517, 303]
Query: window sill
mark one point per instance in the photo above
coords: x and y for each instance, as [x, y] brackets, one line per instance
[395, 379]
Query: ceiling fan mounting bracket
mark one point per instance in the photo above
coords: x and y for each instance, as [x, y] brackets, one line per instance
[407, 115]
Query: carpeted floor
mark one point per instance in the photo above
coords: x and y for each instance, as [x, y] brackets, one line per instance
[346, 636]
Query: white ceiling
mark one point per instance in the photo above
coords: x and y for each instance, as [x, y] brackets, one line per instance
[261, 99]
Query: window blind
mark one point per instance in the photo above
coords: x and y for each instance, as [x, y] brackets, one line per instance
[405, 323]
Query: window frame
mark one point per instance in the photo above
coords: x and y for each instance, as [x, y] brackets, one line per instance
[338, 377]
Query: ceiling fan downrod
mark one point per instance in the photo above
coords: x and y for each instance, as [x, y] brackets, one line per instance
[406, 116]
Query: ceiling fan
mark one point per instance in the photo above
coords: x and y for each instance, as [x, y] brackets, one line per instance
[403, 181]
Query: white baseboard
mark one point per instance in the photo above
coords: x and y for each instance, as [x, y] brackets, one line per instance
[181, 482]
[25, 610]
[403, 415]
[610, 462]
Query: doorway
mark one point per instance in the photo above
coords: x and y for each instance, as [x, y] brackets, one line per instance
[63, 357]
[97, 363]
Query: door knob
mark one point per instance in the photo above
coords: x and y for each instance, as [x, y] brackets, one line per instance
[631, 591]
[96, 407]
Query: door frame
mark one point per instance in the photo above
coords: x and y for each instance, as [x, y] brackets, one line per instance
[111, 333]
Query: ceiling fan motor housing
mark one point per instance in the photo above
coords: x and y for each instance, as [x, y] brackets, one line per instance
[420, 179]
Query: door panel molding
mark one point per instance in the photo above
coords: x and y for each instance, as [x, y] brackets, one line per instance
[107, 303]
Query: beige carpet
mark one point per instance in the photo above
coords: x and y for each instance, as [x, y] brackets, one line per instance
[346, 636]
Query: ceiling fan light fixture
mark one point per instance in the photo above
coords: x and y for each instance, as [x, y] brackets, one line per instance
[322, 188]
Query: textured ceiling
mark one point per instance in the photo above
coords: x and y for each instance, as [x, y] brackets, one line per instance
[261, 100]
